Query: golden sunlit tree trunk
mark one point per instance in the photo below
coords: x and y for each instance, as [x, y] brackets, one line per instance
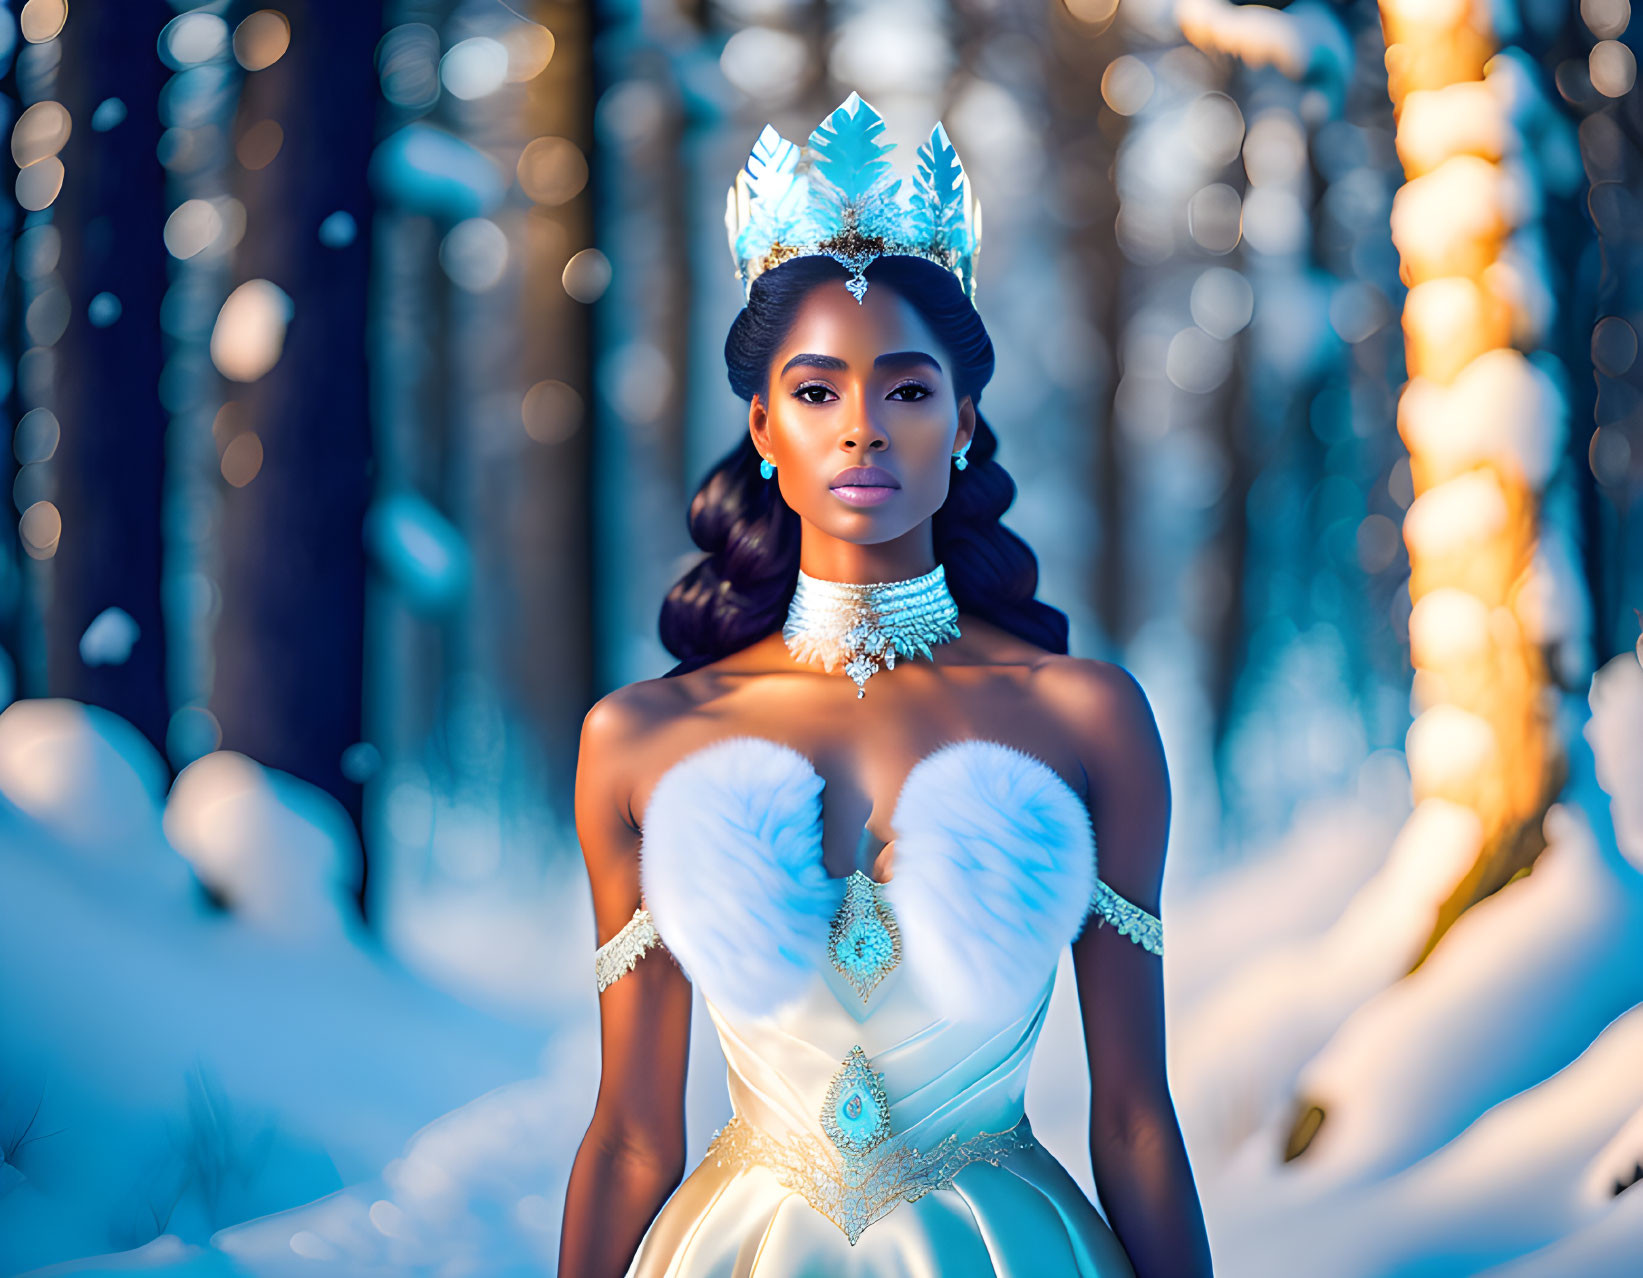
[1481, 424]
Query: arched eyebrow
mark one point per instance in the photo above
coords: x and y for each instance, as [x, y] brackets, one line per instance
[834, 363]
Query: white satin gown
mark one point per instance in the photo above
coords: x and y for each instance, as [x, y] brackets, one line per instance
[878, 1036]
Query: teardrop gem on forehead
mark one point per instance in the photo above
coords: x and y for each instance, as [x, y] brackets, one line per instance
[864, 626]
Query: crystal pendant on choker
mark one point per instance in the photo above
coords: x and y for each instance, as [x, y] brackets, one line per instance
[866, 626]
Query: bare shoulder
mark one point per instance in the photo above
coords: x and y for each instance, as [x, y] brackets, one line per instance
[1101, 707]
[1105, 715]
[613, 731]
[1086, 688]
[628, 714]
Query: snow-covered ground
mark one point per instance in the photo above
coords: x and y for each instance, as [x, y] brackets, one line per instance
[262, 1090]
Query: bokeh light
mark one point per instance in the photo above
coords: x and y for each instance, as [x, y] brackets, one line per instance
[764, 64]
[1610, 456]
[552, 170]
[261, 39]
[474, 254]
[1196, 362]
[1094, 12]
[41, 131]
[552, 412]
[47, 316]
[587, 275]
[1214, 218]
[474, 67]
[192, 227]
[38, 250]
[1274, 221]
[249, 334]
[38, 184]
[408, 65]
[260, 144]
[1614, 346]
[242, 458]
[1126, 84]
[110, 114]
[1221, 301]
[40, 528]
[1215, 129]
[103, 310]
[36, 436]
[192, 38]
[1613, 68]
[1357, 310]
[41, 20]
[530, 48]
[1606, 19]
[338, 230]
[1378, 543]
[1275, 149]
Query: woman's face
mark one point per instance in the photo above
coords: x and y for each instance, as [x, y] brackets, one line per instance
[860, 416]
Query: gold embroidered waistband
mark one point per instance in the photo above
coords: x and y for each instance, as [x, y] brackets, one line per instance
[853, 1192]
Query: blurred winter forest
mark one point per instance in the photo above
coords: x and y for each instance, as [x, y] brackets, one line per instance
[360, 360]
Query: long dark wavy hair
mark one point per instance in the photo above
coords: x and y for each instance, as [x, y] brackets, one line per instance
[739, 591]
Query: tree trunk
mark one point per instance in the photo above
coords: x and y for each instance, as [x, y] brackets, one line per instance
[110, 458]
[289, 644]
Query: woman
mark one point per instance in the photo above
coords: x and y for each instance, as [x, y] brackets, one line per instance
[868, 865]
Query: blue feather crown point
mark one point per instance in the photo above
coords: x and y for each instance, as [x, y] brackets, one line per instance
[839, 198]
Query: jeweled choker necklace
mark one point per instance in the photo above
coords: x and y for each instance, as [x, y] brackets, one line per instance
[865, 624]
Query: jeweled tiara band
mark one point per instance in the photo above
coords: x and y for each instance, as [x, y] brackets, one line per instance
[838, 198]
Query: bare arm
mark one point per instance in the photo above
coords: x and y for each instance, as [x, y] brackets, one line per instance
[633, 1154]
[1140, 1161]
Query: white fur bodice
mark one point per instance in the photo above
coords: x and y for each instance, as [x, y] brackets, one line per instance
[994, 871]
[994, 874]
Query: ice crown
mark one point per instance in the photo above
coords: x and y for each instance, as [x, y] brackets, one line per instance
[838, 198]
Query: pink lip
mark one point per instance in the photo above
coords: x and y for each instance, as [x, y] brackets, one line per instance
[864, 485]
[863, 494]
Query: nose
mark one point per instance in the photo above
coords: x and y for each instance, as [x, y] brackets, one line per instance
[862, 433]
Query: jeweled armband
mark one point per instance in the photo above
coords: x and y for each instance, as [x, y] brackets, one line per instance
[1130, 919]
[619, 955]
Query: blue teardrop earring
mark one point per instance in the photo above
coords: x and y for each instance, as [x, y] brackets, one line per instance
[960, 461]
[767, 468]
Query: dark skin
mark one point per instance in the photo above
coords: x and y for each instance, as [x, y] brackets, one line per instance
[881, 394]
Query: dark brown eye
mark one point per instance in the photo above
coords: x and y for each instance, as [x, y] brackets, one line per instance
[922, 392]
[812, 393]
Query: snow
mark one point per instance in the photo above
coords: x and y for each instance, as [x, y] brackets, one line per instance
[1444, 218]
[171, 1067]
[113, 632]
[1453, 517]
[1615, 732]
[1501, 408]
[282, 855]
[224, 1093]
[1304, 40]
[1447, 322]
[1413, 1065]
[419, 549]
[1468, 118]
[1522, 278]
[1479, 1110]
[1453, 753]
[1236, 1052]
[1448, 628]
